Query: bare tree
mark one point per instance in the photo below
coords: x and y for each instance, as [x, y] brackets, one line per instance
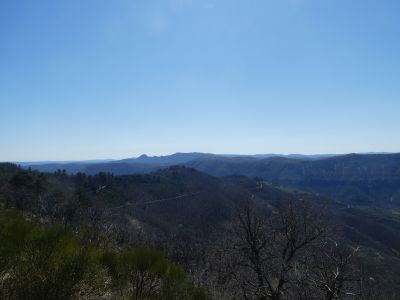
[267, 247]
[333, 271]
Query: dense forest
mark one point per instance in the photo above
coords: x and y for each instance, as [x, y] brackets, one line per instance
[178, 233]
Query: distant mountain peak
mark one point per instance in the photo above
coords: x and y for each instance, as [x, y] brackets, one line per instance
[166, 160]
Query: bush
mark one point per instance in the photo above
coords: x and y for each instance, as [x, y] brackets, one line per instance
[140, 273]
[46, 262]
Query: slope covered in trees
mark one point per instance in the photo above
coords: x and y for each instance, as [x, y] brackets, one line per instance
[354, 179]
[367, 179]
[202, 224]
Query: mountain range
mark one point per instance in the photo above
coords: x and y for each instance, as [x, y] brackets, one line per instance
[355, 179]
[180, 199]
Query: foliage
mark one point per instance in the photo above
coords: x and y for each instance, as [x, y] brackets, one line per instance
[184, 214]
[140, 273]
[47, 262]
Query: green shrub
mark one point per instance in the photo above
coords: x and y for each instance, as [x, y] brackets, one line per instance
[46, 262]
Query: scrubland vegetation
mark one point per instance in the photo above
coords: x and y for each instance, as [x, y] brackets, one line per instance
[179, 234]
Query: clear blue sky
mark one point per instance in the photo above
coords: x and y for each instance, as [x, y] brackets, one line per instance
[82, 79]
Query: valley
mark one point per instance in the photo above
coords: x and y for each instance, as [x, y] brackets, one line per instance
[177, 207]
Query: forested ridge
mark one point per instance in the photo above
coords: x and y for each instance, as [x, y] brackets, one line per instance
[359, 179]
[180, 234]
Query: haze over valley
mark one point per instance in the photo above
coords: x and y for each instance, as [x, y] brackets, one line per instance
[199, 150]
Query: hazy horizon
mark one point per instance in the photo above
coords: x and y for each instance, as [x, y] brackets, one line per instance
[98, 79]
[169, 154]
[284, 116]
[136, 155]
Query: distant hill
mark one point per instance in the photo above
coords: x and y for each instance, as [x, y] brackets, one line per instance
[145, 163]
[362, 179]
[140, 165]
[354, 178]
[168, 160]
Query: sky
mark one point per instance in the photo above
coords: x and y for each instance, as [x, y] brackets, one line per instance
[91, 79]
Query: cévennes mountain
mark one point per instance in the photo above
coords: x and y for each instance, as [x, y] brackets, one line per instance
[356, 179]
[181, 199]
[368, 179]
[140, 165]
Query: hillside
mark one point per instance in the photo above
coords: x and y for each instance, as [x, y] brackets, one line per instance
[354, 179]
[146, 164]
[139, 165]
[175, 197]
[179, 200]
[357, 179]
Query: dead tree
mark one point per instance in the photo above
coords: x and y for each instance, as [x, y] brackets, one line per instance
[267, 247]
